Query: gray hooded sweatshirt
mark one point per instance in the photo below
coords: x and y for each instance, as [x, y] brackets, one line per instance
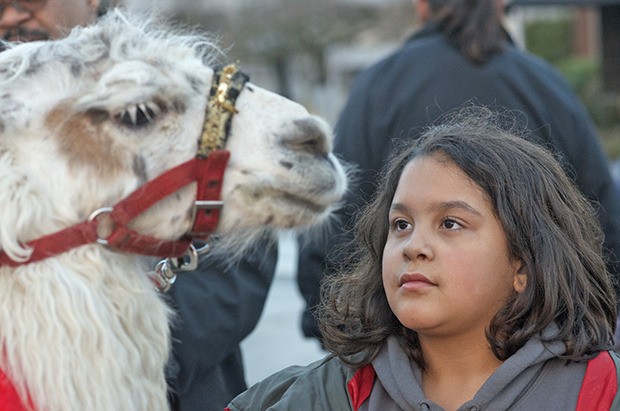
[532, 378]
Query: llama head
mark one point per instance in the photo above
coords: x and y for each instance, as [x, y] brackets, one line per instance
[86, 120]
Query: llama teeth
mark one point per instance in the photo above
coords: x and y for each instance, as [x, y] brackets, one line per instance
[133, 113]
[154, 108]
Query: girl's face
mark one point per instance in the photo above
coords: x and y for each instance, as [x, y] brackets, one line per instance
[446, 268]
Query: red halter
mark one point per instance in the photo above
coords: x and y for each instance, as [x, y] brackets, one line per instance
[207, 169]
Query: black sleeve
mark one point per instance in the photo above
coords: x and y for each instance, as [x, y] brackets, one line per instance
[216, 307]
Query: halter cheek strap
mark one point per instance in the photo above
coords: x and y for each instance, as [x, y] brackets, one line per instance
[225, 88]
[207, 169]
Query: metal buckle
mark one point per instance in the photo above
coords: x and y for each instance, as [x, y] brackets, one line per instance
[203, 205]
[208, 205]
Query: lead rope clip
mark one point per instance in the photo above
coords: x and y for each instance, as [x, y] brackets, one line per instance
[165, 272]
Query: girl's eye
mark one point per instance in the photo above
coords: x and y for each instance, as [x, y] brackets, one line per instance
[450, 224]
[401, 225]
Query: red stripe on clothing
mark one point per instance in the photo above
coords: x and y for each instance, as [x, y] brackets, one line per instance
[600, 384]
[360, 385]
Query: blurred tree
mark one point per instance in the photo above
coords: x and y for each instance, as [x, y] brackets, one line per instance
[277, 32]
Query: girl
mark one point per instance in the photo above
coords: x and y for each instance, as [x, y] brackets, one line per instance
[478, 283]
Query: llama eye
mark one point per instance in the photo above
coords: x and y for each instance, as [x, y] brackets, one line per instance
[139, 115]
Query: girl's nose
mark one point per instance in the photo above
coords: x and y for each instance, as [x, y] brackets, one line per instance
[418, 246]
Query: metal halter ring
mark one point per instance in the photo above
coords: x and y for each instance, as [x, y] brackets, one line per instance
[93, 216]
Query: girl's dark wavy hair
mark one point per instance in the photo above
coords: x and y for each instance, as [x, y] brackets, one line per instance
[550, 227]
[473, 26]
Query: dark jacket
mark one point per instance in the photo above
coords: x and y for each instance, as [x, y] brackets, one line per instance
[398, 96]
[217, 306]
[320, 386]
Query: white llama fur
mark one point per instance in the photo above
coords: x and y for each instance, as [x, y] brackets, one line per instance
[86, 330]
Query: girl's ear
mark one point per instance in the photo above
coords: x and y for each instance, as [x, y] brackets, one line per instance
[519, 281]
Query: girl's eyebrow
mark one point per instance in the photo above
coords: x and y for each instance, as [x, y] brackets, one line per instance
[460, 205]
[443, 206]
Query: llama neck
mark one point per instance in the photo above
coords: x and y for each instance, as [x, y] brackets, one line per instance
[86, 330]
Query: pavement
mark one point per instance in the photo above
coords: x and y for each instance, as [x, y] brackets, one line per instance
[277, 341]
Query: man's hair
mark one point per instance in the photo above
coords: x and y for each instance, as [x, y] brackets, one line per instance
[550, 228]
[473, 26]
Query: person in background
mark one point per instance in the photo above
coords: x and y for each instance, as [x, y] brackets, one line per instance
[476, 282]
[217, 305]
[31, 20]
[461, 53]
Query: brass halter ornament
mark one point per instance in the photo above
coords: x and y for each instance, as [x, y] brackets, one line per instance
[206, 169]
[225, 88]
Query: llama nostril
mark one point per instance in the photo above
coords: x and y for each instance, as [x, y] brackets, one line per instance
[308, 136]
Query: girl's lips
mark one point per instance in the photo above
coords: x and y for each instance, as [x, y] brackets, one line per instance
[414, 281]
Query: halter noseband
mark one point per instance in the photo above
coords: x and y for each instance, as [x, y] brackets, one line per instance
[207, 169]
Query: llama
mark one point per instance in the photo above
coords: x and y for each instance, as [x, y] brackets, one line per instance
[88, 123]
